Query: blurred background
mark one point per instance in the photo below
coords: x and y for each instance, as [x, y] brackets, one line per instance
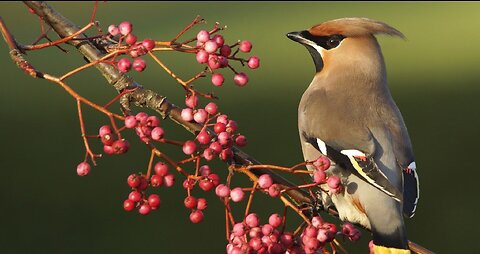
[46, 208]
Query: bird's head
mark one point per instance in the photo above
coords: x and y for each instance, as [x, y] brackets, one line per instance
[346, 40]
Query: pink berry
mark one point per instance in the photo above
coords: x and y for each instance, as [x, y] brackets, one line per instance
[245, 46]
[222, 119]
[125, 27]
[311, 231]
[267, 229]
[275, 248]
[144, 209]
[133, 180]
[255, 243]
[191, 101]
[210, 46]
[142, 117]
[189, 147]
[322, 163]
[222, 190]
[214, 62]
[225, 50]
[333, 182]
[205, 170]
[187, 114]
[190, 202]
[223, 138]
[201, 204]
[130, 39]
[83, 169]
[274, 190]
[240, 79]
[108, 150]
[211, 108]
[237, 194]
[153, 121]
[188, 184]
[255, 232]
[208, 154]
[275, 220]
[200, 116]
[214, 178]
[216, 147]
[105, 129]
[317, 221]
[287, 239]
[135, 196]
[169, 180]
[203, 137]
[202, 57]
[161, 169]
[238, 229]
[252, 220]
[232, 126]
[154, 200]
[265, 181]
[157, 133]
[130, 122]
[128, 205]
[241, 140]
[108, 139]
[219, 128]
[223, 61]
[139, 64]
[203, 36]
[196, 216]
[319, 176]
[156, 180]
[124, 65]
[149, 44]
[205, 184]
[253, 62]
[120, 146]
[113, 30]
[226, 154]
[143, 183]
[217, 79]
[218, 39]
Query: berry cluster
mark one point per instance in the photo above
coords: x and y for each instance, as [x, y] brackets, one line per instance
[112, 144]
[319, 177]
[216, 54]
[135, 48]
[147, 127]
[139, 183]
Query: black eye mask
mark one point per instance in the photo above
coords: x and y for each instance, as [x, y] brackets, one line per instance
[326, 42]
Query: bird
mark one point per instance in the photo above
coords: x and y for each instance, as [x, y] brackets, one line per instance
[347, 114]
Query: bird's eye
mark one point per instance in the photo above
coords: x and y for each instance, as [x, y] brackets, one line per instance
[333, 41]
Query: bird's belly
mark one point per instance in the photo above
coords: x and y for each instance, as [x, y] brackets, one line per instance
[350, 210]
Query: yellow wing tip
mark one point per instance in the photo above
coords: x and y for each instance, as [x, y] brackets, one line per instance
[388, 250]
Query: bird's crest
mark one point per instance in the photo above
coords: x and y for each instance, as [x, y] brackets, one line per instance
[354, 27]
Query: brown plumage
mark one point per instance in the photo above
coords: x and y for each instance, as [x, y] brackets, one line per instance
[353, 27]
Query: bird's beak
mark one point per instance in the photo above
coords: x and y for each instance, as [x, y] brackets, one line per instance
[295, 36]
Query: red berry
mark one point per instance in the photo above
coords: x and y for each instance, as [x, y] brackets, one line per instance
[154, 201]
[142, 117]
[161, 169]
[139, 64]
[203, 36]
[144, 209]
[113, 30]
[133, 180]
[157, 133]
[153, 121]
[223, 61]
[274, 190]
[130, 122]
[216, 147]
[265, 181]
[205, 184]
[189, 147]
[252, 220]
[143, 183]
[317, 221]
[191, 101]
[218, 39]
[322, 163]
[208, 154]
[128, 205]
[169, 180]
[211, 108]
[253, 62]
[201, 204]
[333, 182]
[187, 114]
[275, 220]
[120, 146]
[214, 178]
[205, 170]
[222, 119]
[319, 176]
[125, 27]
[225, 51]
[240, 79]
[108, 139]
[217, 79]
[241, 140]
[149, 44]
[156, 180]
[226, 154]
[237, 194]
[135, 196]
[238, 229]
[124, 65]
[214, 62]
[267, 229]
[130, 39]
[83, 169]
[108, 150]
[222, 190]
[188, 184]
[223, 138]
[202, 57]
[105, 129]
[210, 46]
[196, 216]
[287, 239]
[219, 128]
[245, 46]
[190, 202]
[232, 126]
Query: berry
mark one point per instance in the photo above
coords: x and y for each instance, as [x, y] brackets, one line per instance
[214, 178]
[201, 204]
[210, 47]
[267, 229]
[125, 27]
[144, 209]
[108, 150]
[222, 119]
[83, 169]
[143, 183]
[130, 39]
[157, 133]
[105, 129]
[219, 40]
[219, 128]
[319, 176]
[317, 221]
[135, 196]
[141, 117]
[139, 64]
[205, 170]
[223, 138]
[226, 154]
[274, 190]
[223, 61]
[238, 229]
[161, 169]
[120, 146]
[245, 46]
[191, 101]
[241, 140]
[189, 147]
[211, 108]
[333, 182]
[200, 116]
[322, 163]
[255, 243]
[225, 50]
[286, 239]
[253, 62]
[153, 121]
[208, 154]
[240, 79]
[205, 184]
[217, 79]
[265, 181]
[130, 122]
[107, 139]
[169, 180]
[128, 205]
[156, 180]
[216, 147]
[190, 202]
[196, 216]
[275, 220]
[202, 57]
[154, 201]
[133, 180]
[222, 191]
[232, 126]
[149, 44]
[237, 194]
[187, 114]
[113, 30]
[124, 65]
[252, 220]
[214, 62]
[203, 36]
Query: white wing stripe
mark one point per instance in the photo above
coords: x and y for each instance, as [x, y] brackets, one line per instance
[322, 146]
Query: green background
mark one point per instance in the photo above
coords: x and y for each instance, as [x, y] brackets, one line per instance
[46, 208]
